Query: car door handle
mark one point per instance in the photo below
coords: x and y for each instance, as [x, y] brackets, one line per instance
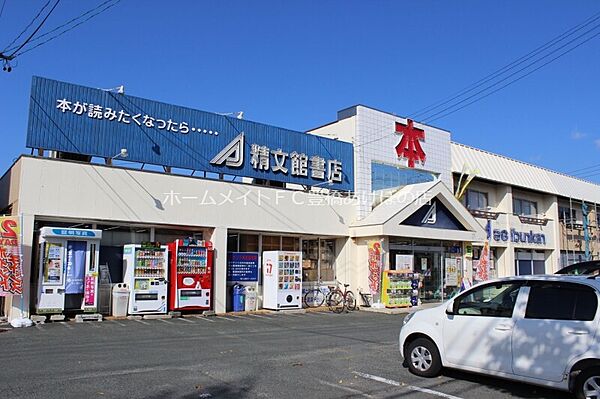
[503, 328]
[579, 332]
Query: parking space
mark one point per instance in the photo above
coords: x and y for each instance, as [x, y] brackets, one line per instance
[262, 355]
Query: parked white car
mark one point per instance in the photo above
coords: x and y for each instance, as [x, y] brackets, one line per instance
[535, 329]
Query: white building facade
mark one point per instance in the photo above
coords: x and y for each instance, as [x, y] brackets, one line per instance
[399, 194]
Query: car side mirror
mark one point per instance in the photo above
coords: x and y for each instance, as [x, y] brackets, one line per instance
[450, 308]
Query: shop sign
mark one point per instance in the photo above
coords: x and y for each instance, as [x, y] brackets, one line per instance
[11, 274]
[451, 278]
[242, 266]
[375, 266]
[410, 143]
[82, 120]
[519, 237]
[73, 233]
[405, 263]
[90, 290]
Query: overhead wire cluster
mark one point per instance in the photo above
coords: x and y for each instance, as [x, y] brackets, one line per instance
[14, 50]
[509, 74]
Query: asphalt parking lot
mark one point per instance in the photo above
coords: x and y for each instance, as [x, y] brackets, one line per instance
[311, 355]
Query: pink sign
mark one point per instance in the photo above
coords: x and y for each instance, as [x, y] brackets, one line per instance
[90, 290]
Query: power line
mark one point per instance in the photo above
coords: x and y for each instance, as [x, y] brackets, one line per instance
[34, 32]
[2, 9]
[68, 22]
[28, 26]
[507, 67]
[515, 80]
[587, 167]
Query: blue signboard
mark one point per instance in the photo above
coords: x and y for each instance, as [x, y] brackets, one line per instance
[73, 233]
[82, 120]
[242, 266]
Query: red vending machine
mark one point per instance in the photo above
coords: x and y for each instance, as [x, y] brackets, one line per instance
[190, 285]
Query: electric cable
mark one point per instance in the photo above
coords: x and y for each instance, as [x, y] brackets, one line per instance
[70, 22]
[587, 167]
[513, 81]
[2, 9]
[34, 32]
[28, 26]
[507, 67]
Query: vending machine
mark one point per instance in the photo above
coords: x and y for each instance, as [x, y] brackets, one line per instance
[400, 289]
[68, 270]
[145, 270]
[282, 280]
[190, 275]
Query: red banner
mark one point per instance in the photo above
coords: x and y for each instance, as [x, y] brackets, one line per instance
[11, 275]
[375, 266]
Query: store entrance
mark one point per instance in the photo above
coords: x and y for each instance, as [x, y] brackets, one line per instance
[428, 264]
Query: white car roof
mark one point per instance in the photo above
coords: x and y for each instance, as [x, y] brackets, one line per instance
[582, 279]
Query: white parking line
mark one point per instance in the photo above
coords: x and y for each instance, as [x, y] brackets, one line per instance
[66, 325]
[237, 316]
[410, 387]
[203, 318]
[259, 316]
[141, 321]
[116, 322]
[224, 318]
[347, 389]
[183, 319]
[165, 321]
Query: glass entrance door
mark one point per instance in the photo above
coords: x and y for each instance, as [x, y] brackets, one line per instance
[429, 265]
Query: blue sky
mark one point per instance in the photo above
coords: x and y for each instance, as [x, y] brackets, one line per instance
[295, 64]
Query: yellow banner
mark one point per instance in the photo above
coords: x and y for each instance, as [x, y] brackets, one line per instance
[11, 274]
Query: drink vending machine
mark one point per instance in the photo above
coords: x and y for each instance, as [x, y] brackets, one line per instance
[190, 275]
[282, 280]
[68, 270]
[145, 270]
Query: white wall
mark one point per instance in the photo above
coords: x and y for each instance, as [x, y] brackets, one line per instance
[96, 192]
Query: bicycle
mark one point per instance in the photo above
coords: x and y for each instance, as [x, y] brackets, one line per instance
[316, 297]
[340, 301]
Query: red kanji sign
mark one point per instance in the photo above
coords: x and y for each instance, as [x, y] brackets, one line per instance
[410, 146]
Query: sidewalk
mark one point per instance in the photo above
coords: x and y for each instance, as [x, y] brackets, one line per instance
[401, 310]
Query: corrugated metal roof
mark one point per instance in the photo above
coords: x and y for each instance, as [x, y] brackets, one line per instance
[505, 170]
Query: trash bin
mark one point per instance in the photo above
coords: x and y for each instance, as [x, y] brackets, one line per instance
[238, 298]
[120, 299]
[250, 300]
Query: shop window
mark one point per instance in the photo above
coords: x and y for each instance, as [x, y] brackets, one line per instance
[290, 244]
[327, 257]
[477, 200]
[271, 243]
[524, 207]
[310, 260]
[233, 242]
[318, 260]
[389, 177]
[529, 262]
[248, 242]
[566, 214]
[561, 301]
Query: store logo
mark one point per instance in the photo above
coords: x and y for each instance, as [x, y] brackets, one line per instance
[431, 215]
[233, 154]
[410, 144]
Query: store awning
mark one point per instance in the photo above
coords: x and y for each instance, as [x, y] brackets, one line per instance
[425, 210]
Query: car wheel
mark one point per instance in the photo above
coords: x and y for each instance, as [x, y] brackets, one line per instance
[587, 384]
[423, 358]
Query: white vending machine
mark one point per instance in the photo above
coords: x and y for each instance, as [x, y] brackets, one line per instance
[145, 270]
[282, 280]
[68, 270]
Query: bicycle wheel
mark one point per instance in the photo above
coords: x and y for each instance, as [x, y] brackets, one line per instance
[314, 298]
[350, 301]
[336, 301]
